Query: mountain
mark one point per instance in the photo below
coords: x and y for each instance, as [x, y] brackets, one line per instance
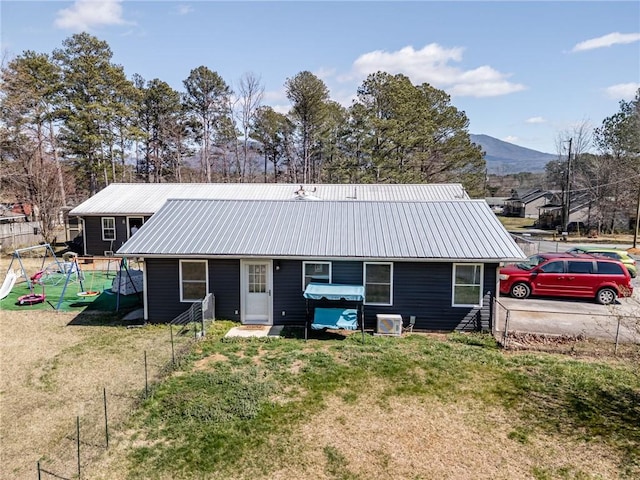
[504, 157]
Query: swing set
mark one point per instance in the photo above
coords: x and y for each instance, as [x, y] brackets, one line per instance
[67, 271]
[32, 297]
[118, 272]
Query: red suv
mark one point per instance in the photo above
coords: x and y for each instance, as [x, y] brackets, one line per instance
[567, 275]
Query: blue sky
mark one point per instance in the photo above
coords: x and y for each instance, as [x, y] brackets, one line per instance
[524, 72]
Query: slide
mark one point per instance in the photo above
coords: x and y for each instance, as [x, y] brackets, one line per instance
[8, 284]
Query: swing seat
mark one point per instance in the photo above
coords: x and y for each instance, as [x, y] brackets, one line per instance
[90, 293]
[31, 299]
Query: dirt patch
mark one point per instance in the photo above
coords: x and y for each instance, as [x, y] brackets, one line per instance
[54, 372]
[204, 363]
[423, 438]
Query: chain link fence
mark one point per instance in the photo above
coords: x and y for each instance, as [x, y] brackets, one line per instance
[86, 437]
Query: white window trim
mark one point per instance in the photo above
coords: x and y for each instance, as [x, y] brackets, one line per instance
[453, 285]
[364, 282]
[206, 272]
[115, 232]
[304, 270]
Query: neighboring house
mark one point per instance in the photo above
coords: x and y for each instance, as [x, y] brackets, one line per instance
[15, 228]
[496, 204]
[435, 260]
[527, 203]
[107, 218]
[579, 212]
[583, 216]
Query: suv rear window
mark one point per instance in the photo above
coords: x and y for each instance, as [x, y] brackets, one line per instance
[580, 267]
[609, 268]
[613, 255]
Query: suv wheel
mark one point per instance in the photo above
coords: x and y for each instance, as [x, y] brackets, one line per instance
[520, 290]
[606, 296]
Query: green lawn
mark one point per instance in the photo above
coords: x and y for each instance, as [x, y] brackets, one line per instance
[67, 293]
[516, 223]
[454, 406]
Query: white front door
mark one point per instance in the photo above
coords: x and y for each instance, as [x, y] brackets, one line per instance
[256, 292]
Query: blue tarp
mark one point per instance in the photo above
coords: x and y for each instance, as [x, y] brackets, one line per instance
[334, 291]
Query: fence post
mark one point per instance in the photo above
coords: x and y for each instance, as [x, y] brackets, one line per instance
[106, 418]
[506, 329]
[173, 354]
[78, 442]
[146, 381]
[617, 337]
[39, 478]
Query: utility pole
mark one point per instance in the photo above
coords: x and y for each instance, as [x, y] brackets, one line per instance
[566, 204]
[635, 232]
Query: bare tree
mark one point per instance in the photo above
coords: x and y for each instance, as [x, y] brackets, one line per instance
[250, 93]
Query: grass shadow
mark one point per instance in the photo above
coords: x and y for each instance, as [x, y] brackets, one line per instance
[105, 319]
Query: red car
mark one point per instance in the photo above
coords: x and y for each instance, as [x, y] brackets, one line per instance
[567, 275]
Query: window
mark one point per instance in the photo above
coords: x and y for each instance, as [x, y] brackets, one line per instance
[108, 228]
[580, 267]
[316, 272]
[378, 285]
[134, 224]
[467, 285]
[553, 267]
[257, 281]
[609, 268]
[194, 281]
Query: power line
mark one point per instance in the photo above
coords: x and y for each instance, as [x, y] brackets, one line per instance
[605, 184]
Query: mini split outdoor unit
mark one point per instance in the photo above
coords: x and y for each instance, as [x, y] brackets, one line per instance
[389, 324]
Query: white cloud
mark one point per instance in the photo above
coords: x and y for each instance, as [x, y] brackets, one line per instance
[608, 40]
[432, 64]
[510, 139]
[536, 120]
[184, 9]
[85, 14]
[622, 91]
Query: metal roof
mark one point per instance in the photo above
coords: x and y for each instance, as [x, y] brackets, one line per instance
[447, 230]
[147, 198]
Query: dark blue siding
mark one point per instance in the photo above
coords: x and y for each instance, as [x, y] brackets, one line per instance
[224, 282]
[420, 289]
[287, 293]
[348, 273]
[163, 277]
[93, 234]
[425, 290]
[163, 292]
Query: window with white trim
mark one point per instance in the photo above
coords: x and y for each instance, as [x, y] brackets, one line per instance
[108, 228]
[467, 285]
[378, 283]
[194, 280]
[315, 272]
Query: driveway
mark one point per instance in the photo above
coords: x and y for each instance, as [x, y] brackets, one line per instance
[551, 316]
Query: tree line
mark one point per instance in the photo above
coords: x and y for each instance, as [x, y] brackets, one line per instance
[73, 122]
[607, 181]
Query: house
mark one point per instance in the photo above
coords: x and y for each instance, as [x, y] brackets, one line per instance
[496, 204]
[108, 218]
[527, 203]
[435, 260]
[579, 212]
